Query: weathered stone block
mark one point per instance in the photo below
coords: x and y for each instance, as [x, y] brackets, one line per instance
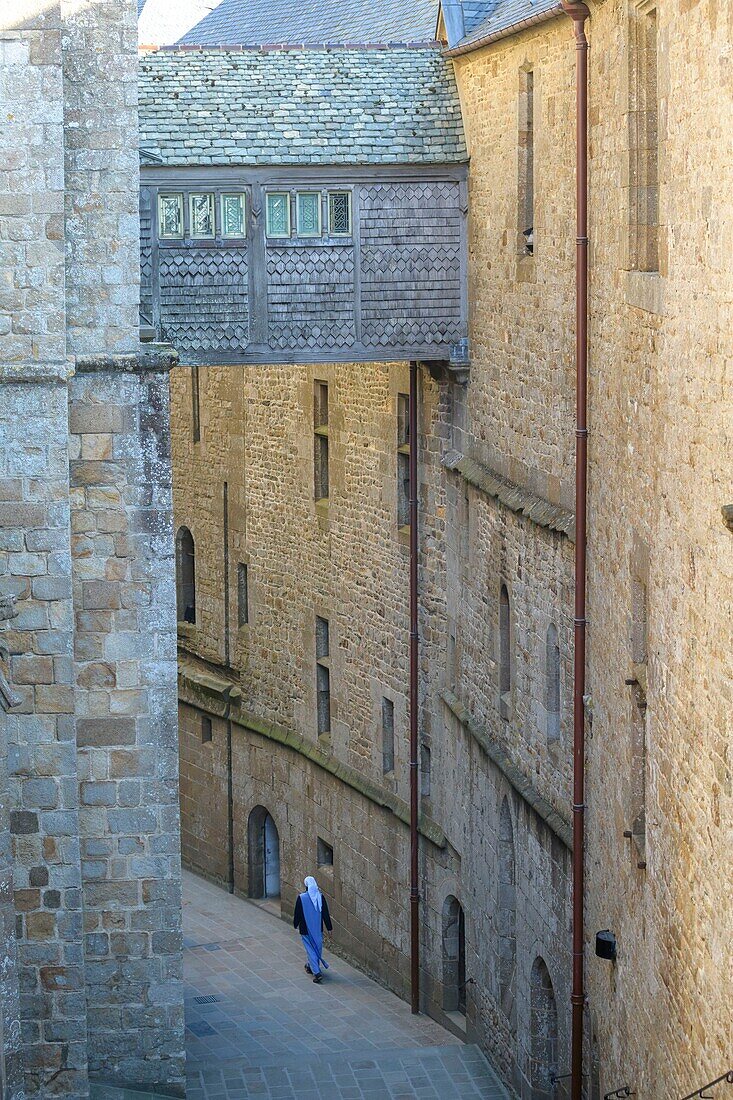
[23, 821]
[105, 732]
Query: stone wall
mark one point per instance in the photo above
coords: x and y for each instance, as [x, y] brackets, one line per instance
[256, 683]
[94, 919]
[659, 551]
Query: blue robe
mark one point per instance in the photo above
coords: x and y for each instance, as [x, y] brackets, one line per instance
[313, 941]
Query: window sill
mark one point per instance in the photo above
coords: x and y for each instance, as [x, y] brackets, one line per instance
[645, 290]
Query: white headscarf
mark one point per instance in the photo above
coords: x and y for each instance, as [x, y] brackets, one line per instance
[313, 892]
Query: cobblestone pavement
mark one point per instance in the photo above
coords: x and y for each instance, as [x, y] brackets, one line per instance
[258, 1027]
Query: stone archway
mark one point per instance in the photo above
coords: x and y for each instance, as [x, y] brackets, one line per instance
[454, 956]
[263, 847]
[543, 1038]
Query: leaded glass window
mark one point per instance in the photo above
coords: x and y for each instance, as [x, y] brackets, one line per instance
[201, 209]
[309, 213]
[170, 216]
[278, 214]
[339, 213]
[232, 216]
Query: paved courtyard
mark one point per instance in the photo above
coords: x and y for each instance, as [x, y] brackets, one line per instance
[258, 1027]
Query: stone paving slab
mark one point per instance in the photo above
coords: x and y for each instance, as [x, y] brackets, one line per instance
[257, 1026]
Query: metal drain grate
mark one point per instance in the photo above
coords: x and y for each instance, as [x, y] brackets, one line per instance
[208, 1000]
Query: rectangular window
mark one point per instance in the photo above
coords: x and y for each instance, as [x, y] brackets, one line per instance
[207, 733]
[201, 213]
[323, 676]
[403, 460]
[644, 140]
[242, 595]
[320, 440]
[232, 216]
[525, 161]
[387, 736]
[339, 213]
[170, 216]
[324, 853]
[308, 213]
[278, 214]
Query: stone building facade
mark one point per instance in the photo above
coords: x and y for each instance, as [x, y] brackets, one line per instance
[91, 942]
[496, 575]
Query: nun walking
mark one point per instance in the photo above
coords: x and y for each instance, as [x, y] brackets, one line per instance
[311, 916]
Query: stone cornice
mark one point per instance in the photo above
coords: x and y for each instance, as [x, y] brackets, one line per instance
[516, 779]
[219, 696]
[517, 499]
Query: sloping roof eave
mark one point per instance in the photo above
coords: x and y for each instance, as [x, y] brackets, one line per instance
[471, 44]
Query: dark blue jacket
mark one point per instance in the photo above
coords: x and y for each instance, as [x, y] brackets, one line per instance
[299, 917]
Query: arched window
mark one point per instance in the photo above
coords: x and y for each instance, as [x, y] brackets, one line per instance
[543, 1033]
[552, 683]
[454, 956]
[505, 655]
[185, 576]
[507, 913]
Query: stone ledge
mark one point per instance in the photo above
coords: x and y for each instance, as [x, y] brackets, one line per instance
[58, 372]
[521, 501]
[203, 689]
[155, 358]
[497, 754]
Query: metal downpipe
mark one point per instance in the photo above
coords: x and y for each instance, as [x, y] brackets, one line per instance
[414, 716]
[578, 12]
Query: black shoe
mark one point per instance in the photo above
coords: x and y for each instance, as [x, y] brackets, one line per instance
[308, 969]
[318, 979]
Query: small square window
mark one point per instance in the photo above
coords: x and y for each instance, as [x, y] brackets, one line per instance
[170, 216]
[232, 215]
[324, 853]
[278, 214]
[339, 213]
[308, 209]
[201, 211]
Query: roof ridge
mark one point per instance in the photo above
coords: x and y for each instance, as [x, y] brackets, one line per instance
[269, 47]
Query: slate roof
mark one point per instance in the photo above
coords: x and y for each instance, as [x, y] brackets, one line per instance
[291, 22]
[311, 106]
[487, 17]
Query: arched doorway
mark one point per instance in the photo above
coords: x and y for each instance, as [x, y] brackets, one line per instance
[263, 844]
[543, 1033]
[454, 956]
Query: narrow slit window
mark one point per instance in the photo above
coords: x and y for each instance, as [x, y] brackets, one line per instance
[339, 213]
[170, 216]
[644, 140]
[403, 460]
[387, 736]
[195, 405]
[552, 684]
[320, 441]
[525, 160]
[201, 214]
[425, 771]
[308, 213]
[323, 676]
[278, 214]
[232, 215]
[505, 655]
[207, 732]
[242, 594]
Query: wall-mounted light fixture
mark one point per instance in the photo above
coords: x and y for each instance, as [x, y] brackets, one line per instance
[606, 945]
